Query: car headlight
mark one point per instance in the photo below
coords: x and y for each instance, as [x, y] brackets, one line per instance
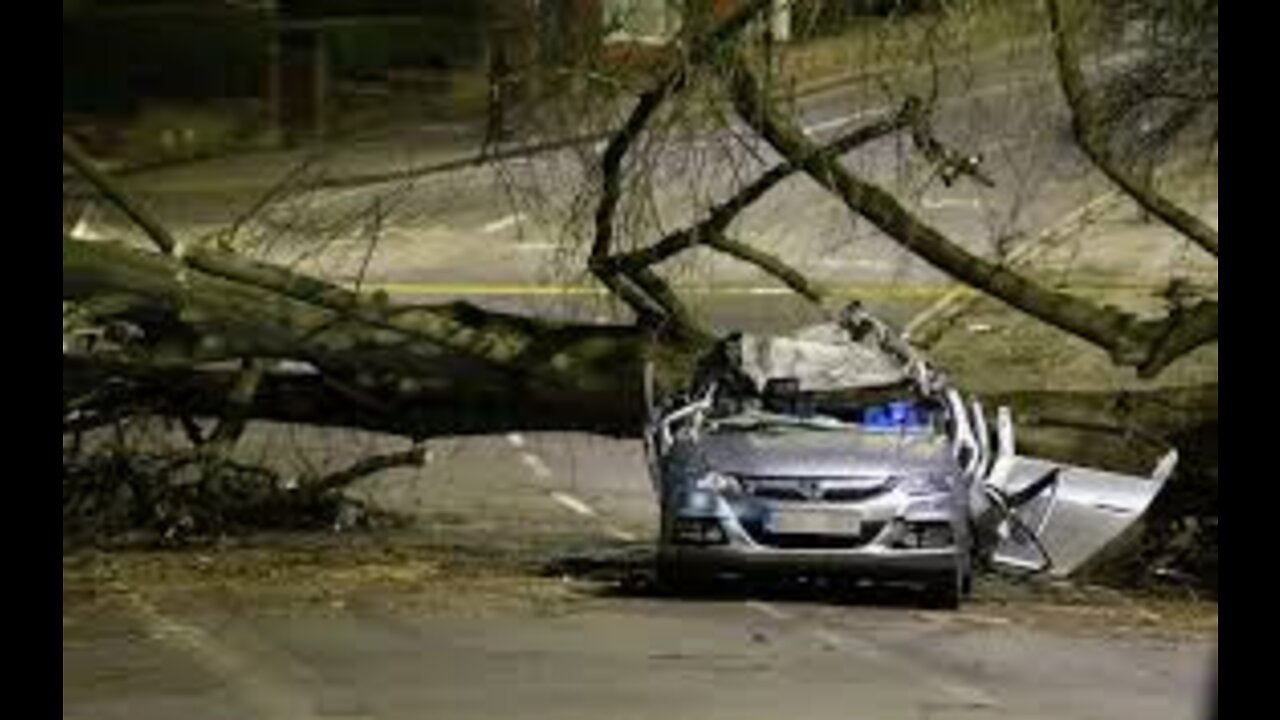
[718, 482]
[925, 484]
[932, 505]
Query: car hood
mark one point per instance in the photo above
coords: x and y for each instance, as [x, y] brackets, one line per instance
[824, 453]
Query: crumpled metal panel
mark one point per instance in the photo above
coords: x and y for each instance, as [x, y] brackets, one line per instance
[822, 358]
[1076, 514]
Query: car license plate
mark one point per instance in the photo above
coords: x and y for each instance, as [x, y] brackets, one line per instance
[813, 521]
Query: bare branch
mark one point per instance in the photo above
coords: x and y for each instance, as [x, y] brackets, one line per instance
[73, 155]
[1089, 127]
[364, 467]
[681, 322]
[710, 231]
[238, 405]
[265, 199]
[620, 143]
[1184, 331]
[375, 234]
[769, 263]
[1148, 345]
[192, 430]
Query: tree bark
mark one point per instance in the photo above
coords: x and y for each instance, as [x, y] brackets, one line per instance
[416, 371]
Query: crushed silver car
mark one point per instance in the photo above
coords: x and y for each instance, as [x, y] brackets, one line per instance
[840, 451]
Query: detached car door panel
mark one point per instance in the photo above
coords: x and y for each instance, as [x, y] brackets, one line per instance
[1062, 515]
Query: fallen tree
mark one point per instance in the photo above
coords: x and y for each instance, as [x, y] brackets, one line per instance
[199, 331]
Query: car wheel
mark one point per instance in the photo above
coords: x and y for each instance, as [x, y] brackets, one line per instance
[966, 578]
[944, 591]
[672, 579]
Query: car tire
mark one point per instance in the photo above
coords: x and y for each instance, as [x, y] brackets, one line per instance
[675, 580]
[945, 590]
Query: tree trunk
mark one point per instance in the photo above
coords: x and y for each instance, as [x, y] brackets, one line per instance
[415, 371]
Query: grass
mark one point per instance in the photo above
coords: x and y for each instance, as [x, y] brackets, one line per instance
[318, 570]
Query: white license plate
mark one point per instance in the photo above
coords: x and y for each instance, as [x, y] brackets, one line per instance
[815, 521]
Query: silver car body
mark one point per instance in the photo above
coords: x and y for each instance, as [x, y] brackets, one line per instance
[744, 486]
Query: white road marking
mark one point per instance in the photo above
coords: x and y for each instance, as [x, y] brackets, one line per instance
[618, 533]
[967, 694]
[979, 619]
[769, 291]
[828, 638]
[540, 469]
[535, 464]
[536, 246]
[934, 617]
[502, 223]
[844, 119]
[943, 203]
[768, 609]
[573, 504]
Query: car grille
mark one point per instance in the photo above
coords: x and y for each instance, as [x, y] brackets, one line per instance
[815, 489]
[813, 542]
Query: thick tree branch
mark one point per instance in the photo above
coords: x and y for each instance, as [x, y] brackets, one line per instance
[1146, 344]
[74, 156]
[769, 263]
[621, 142]
[239, 404]
[463, 408]
[724, 213]
[431, 367]
[364, 467]
[1184, 331]
[266, 309]
[1089, 127]
[232, 423]
[611, 173]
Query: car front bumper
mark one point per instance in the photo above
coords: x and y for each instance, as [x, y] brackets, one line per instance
[741, 546]
[872, 563]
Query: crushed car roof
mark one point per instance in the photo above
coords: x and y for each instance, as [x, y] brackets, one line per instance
[857, 351]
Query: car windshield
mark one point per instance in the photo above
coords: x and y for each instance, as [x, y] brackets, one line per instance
[893, 415]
